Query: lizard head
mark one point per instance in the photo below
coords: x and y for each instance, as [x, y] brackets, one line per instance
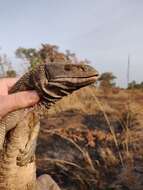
[65, 78]
[71, 74]
[52, 81]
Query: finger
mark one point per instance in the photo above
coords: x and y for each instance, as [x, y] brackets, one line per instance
[5, 85]
[23, 99]
[18, 100]
[10, 81]
[3, 89]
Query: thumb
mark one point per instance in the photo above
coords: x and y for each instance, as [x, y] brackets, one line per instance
[18, 100]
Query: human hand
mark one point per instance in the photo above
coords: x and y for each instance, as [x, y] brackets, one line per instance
[14, 101]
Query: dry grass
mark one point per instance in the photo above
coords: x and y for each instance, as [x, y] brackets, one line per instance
[93, 141]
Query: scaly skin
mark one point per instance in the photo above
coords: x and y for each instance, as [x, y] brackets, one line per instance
[20, 128]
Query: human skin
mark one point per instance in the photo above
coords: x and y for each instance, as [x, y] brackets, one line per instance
[12, 102]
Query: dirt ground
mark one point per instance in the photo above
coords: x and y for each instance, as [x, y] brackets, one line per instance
[94, 140]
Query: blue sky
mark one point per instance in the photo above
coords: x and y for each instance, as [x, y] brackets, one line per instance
[103, 31]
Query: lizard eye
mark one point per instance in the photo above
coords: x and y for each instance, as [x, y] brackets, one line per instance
[67, 67]
[82, 68]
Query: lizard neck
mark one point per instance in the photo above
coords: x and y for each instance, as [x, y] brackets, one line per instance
[12, 175]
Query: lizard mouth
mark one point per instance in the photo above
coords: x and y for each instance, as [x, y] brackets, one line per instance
[76, 81]
[61, 86]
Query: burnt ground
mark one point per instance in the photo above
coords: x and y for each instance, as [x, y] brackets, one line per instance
[92, 140]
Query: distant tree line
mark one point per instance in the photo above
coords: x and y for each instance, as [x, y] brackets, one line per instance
[50, 53]
[106, 80]
[47, 53]
[32, 57]
[135, 85]
[6, 69]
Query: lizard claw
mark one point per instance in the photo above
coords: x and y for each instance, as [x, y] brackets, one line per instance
[26, 156]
